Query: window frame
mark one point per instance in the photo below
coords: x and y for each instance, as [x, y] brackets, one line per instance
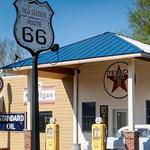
[147, 112]
[41, 113]
[85, 102]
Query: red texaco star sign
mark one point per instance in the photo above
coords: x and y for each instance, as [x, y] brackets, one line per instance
[119, 80]
[115, 80]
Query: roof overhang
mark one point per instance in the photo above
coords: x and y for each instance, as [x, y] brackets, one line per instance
[61, 69]
[83, 61]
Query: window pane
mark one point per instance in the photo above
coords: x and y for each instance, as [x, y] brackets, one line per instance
[148, 112]
[121, 119]
[88, 109]
[44, 120]
[148, 120]
[147, 104]
[88, 115]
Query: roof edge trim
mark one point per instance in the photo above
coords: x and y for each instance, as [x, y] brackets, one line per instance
[84, 61]
[146, 55]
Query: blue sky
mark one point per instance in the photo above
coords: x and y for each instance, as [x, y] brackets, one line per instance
[74, 20]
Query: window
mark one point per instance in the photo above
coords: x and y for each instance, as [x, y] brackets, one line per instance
[44, 117]
[88, 115]
[148, 112]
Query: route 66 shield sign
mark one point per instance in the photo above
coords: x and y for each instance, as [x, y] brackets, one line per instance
[33, 28]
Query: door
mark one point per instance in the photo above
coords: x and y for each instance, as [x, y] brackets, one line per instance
[120, 119]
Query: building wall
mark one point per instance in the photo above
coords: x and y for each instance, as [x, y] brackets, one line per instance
[13, 103]
[91, 89]
[61, 110]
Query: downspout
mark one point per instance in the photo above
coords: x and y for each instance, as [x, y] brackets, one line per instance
[77, 104]
[76, 145]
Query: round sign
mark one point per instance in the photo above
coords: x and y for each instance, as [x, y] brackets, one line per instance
[115, 80]
[1, 84]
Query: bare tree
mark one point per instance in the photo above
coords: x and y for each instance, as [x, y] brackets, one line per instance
[8, 51]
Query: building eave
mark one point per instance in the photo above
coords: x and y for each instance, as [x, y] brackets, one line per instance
[83, 61]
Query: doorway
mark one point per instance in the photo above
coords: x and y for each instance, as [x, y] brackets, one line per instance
[120, 118]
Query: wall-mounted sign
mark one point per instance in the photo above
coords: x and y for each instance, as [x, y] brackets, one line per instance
[1, 83]
[46, 94]
[12, 122]
[115, 80]
[104, 113]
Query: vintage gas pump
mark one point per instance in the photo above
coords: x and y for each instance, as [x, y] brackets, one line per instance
[52, 135]
[99, 135]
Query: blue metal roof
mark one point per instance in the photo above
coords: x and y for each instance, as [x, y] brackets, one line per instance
[103, 45]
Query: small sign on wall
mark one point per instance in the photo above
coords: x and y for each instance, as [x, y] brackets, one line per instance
[1, 84]
[104, 113]
[46, 94]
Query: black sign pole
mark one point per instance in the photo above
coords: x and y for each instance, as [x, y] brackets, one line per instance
[35, 105]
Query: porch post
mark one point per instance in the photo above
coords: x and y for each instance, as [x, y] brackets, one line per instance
[76, 145]
[131, 93]
[131, 136]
